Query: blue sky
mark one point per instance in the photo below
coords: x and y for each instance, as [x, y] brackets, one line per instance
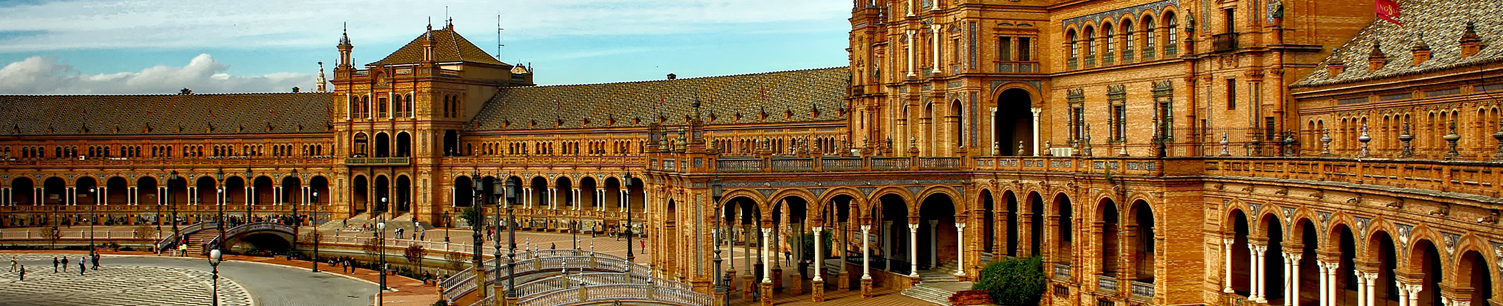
[159, 46]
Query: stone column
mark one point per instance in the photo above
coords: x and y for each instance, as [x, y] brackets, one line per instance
[1414, 291]
[1403, 294]
[960, 250]
[1035, 146]
[886, 247]
[913, 249]
[819, 265]
[935, 36]
[866, 267]
[1256, 287]
[1293, 276]
[1226, 286]
[1372, 281]
[1330, 285]
[1321, 283]
[912, 53]
[766, 285]
[1361, 289]
[933, 244]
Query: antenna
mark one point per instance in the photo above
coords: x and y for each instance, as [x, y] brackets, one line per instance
[498, 35]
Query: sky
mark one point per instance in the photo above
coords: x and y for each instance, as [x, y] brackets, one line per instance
[162, 46]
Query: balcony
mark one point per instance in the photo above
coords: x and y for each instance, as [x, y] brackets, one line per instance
[1142, 289]
[1224, 42]
[377, 161]
[1106, 283]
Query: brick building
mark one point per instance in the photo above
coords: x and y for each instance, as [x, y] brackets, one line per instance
[1151, 152]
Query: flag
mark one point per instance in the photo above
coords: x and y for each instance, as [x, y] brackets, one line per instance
[1388, 10]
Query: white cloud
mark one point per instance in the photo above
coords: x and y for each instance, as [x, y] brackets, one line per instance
[110, 24]
[203, 74]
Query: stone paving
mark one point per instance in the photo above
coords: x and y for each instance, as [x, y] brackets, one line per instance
[113, 285]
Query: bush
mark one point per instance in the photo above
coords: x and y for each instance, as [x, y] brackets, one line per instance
[1013, 281]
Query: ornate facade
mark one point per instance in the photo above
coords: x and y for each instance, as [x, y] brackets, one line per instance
[1151, 152]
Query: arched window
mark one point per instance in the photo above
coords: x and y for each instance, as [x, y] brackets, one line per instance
[1127, 40]
[1074, 48]
[1170, 35]
[1148, 37]
[1090, 35]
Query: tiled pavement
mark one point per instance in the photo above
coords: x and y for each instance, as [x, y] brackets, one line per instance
[116, 285]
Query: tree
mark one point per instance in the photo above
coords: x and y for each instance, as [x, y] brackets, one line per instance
[313, 236]
[371, 246]
[143, 232]
[471, 216]
[414, 254]
[1013, 281]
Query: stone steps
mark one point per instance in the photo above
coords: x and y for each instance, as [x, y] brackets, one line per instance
[929, 294]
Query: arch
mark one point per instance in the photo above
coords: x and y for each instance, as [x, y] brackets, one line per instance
[21, 190]
[146, 190]
[1382, 253]
[462, 191]
[828, 198]
[1036, 212]
[953, 117]
[901, 193]
[890, 218]
[1143, 245]
[207, 190]
[1272, 253]
[1236, 225]
[54, 191]
[588, 191]
[950, 194]
[564, 194]
[117, 190]
[360, 145]
[1063, 231]
[538, 187]
[1013, 123]
[383, 145]
[86, 190]
[1473, 272]
[1425, 261]
[404, 144]
[1306, 233]
[403, 196]
[986, 203]
[381, 194]
[939, 213]
[613, 195]
[1107, 224]
[292, 190]
[1346, 279]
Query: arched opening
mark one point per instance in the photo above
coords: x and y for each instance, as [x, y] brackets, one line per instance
[177, 197]
[926, 123]
[234, 191]
[671, 243]
[360, 198]
[1425, 260]
[86, 191]
[1273, 260]
[1144, 243]
[938, 247]
[1012, 125]
[263, 194]
[319, 198]
[382, 194]
[1063, 230]
[404, 195]
[292, 190]
[1036, 224]
[1241, 254]
[404, 144]
[146, 194]
[588, 194]
[540, 192]
[383, 145]
[952, 124]
[1346, 280]
[463, 191]
[564, 194]
[1010, 213]
[1473, 273]
[451, 143]
[891, 216]
[1110, 237]
[1381, 247]
[54, 191]
[1309, 269]
[613, 195]
[117, 190]
[988, 217]
[635, 197]
[206, 192]
[361, 144]
[21, 189]
[788, 216]
[742, 217]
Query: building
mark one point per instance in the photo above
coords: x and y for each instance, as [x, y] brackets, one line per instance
[1242, 152]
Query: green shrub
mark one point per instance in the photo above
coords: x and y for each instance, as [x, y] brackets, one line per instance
[1013, 281]
[808, 244]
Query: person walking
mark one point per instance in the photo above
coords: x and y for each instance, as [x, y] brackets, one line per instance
[12, 263]
[81, 263]
[23, 273]
[54, 264]
[65, 264]
[95, 259]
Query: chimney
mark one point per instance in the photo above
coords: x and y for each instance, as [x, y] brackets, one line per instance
[1421, 51]
[672, 76]
[1337, 64]
[1470, 43]
[1376, 59]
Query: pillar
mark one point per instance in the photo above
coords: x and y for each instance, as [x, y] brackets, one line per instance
[1035, 145]
[1321, 284]
[960, 249]
[1227, 284]
[1403, 293]
[1330, 286]
[886, 247]
[1372, 281]
[1361, 289]
[935, 36]
[766, 285]
[1256, 285]
[912, 52]
[933, 243]
[1414, 291]
[1293, 275]
[866, 267]
[818, 283]
[913, 249]
[575, 199]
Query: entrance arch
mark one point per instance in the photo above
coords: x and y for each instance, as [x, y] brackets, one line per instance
[404, 144]
[1013, 123]
[937, 243]
[361, 196]
[383, 145]
[892, 251]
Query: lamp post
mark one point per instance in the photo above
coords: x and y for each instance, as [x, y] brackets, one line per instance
[219, 223]
[720, 286]
[214, 260]
[251, 186]
[511, 233]
[381, 245]
[93, 217]
[626, 183]
[172, 205]
[477, 203]
[313, 200]
[296, 221]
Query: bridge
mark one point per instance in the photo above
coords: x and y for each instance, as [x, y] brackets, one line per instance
[198, 236]
[565, 277]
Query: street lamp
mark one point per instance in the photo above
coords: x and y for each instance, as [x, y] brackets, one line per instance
[626, 179]
[477, 203]
[219, 223]
[214, 260]
[94, 217]
[296, 222]
[251, 186]
[381, 245]
[715, 195]
[511, 232]
[172, 205]
[313, 200]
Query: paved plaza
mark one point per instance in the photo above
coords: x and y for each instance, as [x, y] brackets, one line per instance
[150, 280]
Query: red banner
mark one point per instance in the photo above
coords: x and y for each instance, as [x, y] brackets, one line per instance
[1388, 10]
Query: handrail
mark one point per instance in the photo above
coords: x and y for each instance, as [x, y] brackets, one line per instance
[644, 292]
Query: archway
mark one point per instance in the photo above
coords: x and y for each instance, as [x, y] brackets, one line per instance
[1010, 213]
[292, 190]
[234, 191]
[613, 194]
[563, 192]
[952, 123]
[1424, 259]
[1273, 260]
[451, 143]
[1013, 122]
[1309, 270]
[146, 194]
[382, 194]
[788, 218]
[1035, 217]
[1346, 279]
[319, 199]
[988, 217]
[86, 191]
[539, 192]
[937, 243]
[743, 218]
[361, 142]
[404, 144]
[588, 194]
[383, 145]
[21, 190]
[1472, 272]
[1382, 249]
[1144, 243]
[207, 192]
[1109, 238]
[360, 198]
[1241, 254]
[263, 193]
[117, 190]
[1063, 230]
[404, 195]
[892, 250]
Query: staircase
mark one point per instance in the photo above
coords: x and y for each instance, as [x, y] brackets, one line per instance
[937, 285]
[196, 241]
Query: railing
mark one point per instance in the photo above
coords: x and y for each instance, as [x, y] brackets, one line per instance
[1147, 52]
[738, 165]
[1224, 42]
[840, 163]
[543, 263]
[488, 300]
[891, 163]
[1171, 49]
[940, 163]
[1062, 272]
[173, 237]
[636, 292]
[792, 164]
[1142, 289]
[1106, 283]
[1479, 178]
[1072, 63]
[378, 161]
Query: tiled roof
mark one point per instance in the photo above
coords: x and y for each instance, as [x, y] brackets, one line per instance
[1439, 23]
[165, 114]
[448, 47]
[784, 97]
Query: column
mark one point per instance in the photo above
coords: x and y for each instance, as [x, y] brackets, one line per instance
[1414, 291]
[935, 37]
[886, 247]
[574, 198]
[622, 200]
[1226, 286]
[766, 257]
[1293, 296]
[1255, 289]
[913, 249]
[819, 254]
[72, 197]
[1361, 289]
[552, 200]
[1403, 294]
[1286, 280]
[276, 196]
[104, 195]
[1036, 142]
[912, 52]
[1330, 285]
[866, 244]
[960, 249]
[933, 243]
[1321, 284]
[248, 195]
[1372, 281]
[37, 197]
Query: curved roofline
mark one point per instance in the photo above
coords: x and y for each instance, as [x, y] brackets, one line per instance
[680, 79]
[169, 94]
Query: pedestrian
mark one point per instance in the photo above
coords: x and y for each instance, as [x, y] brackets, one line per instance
[65, 263]
[81, 264]
[96, 261]
[423, 235]
[12, 263]
[552, 246]
[23, 273]
[54, 264]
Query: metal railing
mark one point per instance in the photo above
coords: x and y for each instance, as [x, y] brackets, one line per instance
[1224, 42]
[1061, 272]
[1142, 289]
[940, 163]
[891, 163]
[378, 161]
[738, 165]
[634, 292]
[841, 163]
[1106, 283]
[792, 164]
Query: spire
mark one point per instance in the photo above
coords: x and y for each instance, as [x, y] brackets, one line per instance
[344, 39]
[321, 80]
[344, 50]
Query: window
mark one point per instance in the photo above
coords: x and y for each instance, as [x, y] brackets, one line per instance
[380, 107]
[1111, 40]
[1270, 129]
[1004, 48]
[955, 50]
[1230, 16]
[1077, 122]
[1127, 38]
[1171, 35]
[1119, 122]
[1231, 94]
[1090, 35]
[1025, 50]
